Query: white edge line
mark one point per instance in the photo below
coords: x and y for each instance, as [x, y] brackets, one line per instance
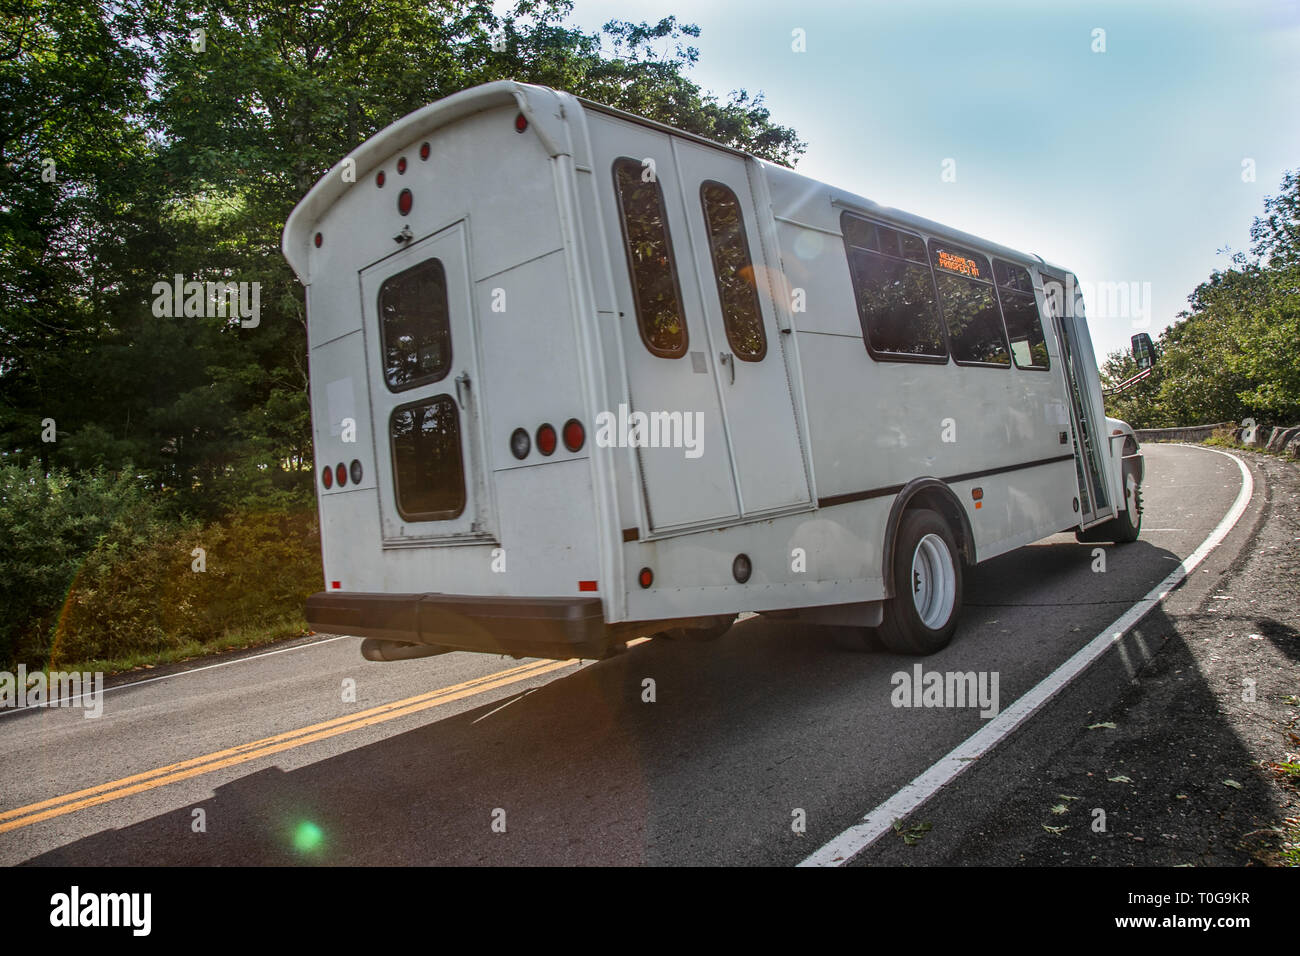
[875, 824]
[67, 701]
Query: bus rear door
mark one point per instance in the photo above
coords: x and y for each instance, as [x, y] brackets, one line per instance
[420, 355]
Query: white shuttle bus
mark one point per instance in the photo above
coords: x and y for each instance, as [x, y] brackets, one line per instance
[578, 377]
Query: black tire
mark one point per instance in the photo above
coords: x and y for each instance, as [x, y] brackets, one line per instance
[721, 624]
[903, 629]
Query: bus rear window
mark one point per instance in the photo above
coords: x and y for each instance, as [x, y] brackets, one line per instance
[428, 471]
[894, 292]
[650, 260]
[414, 326]
[970, 306]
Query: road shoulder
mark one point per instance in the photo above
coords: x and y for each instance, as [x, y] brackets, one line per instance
[1182, 764]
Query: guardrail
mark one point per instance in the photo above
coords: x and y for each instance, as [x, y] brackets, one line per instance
[1186, 433]
[1283, 439]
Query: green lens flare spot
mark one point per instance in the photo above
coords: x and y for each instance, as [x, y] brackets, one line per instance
[308, 837]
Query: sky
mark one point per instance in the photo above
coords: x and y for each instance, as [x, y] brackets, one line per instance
[1131, 166]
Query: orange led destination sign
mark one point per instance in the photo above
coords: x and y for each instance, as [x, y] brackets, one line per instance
[966, 267]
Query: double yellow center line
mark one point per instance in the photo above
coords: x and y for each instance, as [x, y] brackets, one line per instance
[176, 772]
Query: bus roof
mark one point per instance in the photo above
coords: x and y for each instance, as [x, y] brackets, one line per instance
[542, 106]
[539, 104]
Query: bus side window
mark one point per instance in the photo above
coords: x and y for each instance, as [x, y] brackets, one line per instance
[650, 260]
[894, 291]
[1020, 312]
[734, 271]
[970, 306]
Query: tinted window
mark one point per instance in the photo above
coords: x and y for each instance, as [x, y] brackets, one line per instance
[894, 291]
[428, 474]
[1020, 311]
[1012, 276]
[970, 306]
[650, 261]
[414, 328]
[734, 271]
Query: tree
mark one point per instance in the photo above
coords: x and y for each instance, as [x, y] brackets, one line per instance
[1236, 352]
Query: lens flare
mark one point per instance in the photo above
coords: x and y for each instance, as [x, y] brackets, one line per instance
[308, 837]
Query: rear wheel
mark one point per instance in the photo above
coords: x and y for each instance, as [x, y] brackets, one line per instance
[922, 615]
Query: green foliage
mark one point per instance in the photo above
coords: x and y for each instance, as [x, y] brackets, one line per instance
[1236, 352]
[142, 593]
[48, 526]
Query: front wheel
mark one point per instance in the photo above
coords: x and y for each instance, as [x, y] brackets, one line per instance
[922, 615]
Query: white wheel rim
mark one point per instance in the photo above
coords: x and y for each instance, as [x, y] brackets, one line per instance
[934, 581]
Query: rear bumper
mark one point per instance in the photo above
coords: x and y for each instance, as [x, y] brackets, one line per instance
[558, 628]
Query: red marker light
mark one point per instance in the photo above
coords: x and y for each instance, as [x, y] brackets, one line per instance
[546, 439]
[521, 123]
[574, 435]
[586, 585]
[379, 179]
[404, 200]
[319, 240]
[401, 166]
[424, 150]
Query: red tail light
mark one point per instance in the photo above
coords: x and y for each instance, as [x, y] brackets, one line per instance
[341, 474]
[327, 477]
[546, 439]
[574, 435]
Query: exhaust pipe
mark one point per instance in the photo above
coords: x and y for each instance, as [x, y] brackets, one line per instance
[374, 649]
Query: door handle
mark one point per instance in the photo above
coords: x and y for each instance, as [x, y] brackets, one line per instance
[462, 388]
[729, 360]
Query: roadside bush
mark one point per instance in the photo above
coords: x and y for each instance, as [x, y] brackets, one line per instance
[49, 523]
[145, 596]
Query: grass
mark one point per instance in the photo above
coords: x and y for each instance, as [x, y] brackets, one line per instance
[1222, 438]
[238, 639]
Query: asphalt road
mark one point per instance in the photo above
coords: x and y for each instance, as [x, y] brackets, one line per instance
[746, 736]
